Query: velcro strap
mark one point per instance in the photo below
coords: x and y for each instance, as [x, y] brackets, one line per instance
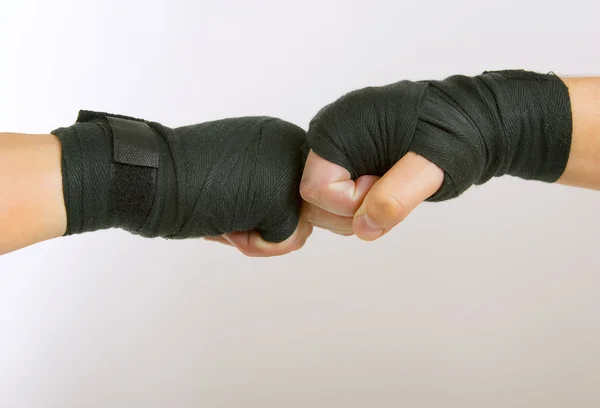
[136, 162]
[134, 142]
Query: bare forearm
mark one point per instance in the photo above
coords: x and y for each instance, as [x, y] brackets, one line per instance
[583, 167]
[31, 201]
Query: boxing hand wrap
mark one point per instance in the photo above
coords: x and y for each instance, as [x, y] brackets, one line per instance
[474, 128]
[208, 179]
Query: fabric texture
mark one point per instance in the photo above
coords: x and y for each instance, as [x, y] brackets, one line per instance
[474, 128]
[237, 174]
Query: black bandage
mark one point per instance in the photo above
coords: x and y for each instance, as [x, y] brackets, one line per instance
[208, 179]
[474, 128]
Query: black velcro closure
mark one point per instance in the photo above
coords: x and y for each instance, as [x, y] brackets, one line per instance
[135, 168]
[134, 142]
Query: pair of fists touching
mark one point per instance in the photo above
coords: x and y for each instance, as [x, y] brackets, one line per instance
[377, 153]
[367, 160]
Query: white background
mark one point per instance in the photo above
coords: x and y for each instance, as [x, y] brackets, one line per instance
[490, 300]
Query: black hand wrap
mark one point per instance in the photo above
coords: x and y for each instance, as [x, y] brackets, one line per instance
[217, 177]
[474, 128]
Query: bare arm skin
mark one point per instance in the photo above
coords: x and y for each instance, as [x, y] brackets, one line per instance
[583, 167]
[31, 202]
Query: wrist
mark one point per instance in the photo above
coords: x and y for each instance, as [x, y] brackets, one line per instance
[31, 203]
[583, 166]
[55, 211]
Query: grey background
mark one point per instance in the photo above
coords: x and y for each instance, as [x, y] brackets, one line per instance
[490, 300]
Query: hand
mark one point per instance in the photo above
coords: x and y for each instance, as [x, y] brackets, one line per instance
[252, 243]
[430, 140]
[370, 206]
[235, 174]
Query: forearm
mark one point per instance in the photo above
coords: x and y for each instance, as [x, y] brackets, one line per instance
[583, 167]
[31, 200]
[201, 180]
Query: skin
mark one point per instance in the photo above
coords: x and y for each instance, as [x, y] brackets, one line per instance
[31, 203]
[32, 207]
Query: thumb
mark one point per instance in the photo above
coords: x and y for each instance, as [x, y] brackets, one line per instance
[412, 180]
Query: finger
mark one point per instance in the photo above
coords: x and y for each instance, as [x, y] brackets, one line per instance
[345, 233]
[330, 187]
[218, 239]
[409, 182]
[259, 247]
[252, 243]
[324, 219]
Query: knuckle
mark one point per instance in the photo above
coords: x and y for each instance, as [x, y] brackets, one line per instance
[316, 215]
[309, 191]
[386, 208]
